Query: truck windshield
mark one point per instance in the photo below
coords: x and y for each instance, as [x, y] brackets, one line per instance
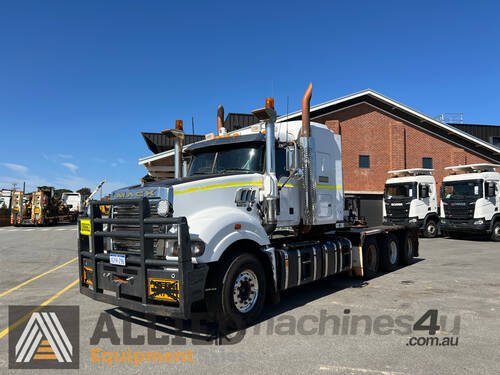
[400, 191]
[462, 189]
[229, 160]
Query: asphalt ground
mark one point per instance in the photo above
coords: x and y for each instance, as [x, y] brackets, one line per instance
[339, 326]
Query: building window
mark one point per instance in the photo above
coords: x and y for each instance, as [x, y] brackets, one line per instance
[495, 141]
[364, 161]
[427, 163]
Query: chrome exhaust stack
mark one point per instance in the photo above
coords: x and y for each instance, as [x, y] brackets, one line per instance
[268, 116]
[306, 141]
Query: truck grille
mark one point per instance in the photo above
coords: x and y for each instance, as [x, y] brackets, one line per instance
[459, 212]
[397, 212]
[133, 245]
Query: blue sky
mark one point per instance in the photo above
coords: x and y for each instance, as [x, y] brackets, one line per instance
[79, 81]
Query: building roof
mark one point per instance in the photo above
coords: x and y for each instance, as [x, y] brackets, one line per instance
[449, 133]
[158, 142]
[488, 133]
[235, 121]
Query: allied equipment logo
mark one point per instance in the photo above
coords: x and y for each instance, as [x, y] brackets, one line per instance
[44, 339]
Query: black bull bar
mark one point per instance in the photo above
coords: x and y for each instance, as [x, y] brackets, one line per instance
[146, 283]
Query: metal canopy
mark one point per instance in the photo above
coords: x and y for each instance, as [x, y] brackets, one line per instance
[474, 168]
[412, 172]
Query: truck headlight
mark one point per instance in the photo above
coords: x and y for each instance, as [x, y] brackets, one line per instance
[172, 248]
[197, 248]
[164, 208]
[479, 222]
[413, 220]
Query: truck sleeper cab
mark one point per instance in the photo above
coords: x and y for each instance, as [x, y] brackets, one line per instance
[410, 198]
[470, 202]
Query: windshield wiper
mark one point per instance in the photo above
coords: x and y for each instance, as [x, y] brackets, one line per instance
[234, 170]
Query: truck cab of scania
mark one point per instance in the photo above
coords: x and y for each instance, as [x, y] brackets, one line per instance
[470, 201]
[410, 198]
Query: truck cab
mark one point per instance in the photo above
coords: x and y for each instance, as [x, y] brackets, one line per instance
[73, 201]
[470, 201]
[410, 198]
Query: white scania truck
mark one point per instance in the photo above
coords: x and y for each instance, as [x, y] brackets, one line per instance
[259, 210]
[410, 198]
[470, 201]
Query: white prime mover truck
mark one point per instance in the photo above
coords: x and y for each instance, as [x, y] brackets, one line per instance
[258, 211]
[410, 198]
[470, 201]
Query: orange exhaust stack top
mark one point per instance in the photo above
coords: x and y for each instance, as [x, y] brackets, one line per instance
[306, 110]
[220, 119]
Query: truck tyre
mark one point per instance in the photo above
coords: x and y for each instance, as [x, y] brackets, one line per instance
[495, 233]
[241, 291]
[430, 229]
[389, 256]
[407, 249]
[370, 258]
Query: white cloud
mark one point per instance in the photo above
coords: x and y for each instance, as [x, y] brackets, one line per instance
[65, 156]
[18, 168]
[114, 164]
[72, 167]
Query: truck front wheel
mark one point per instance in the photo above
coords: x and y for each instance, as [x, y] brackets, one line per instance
[431, 229]
[495, 233]
[241, 291]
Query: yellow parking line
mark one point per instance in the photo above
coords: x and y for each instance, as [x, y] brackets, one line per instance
[38, 308]
[37, 277]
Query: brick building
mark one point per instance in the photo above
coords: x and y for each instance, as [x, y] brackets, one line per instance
[379, 134]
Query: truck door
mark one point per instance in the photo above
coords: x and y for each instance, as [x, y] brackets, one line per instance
[491, 193]
[424, 195]
[289, 195]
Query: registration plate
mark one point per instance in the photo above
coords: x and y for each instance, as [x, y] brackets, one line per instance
[117, 259]
[36, 210]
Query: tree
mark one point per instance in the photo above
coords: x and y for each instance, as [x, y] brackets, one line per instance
[84, 192]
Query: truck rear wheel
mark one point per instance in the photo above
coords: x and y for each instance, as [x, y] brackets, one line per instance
[370, 258]
[430, 229]
[407, 249]
[241, 291]
[389, 257]
[495, 233]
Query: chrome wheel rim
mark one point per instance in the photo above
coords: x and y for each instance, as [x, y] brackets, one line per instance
[393, 252]
[497, 231]
[245, 291]
[431, 228]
